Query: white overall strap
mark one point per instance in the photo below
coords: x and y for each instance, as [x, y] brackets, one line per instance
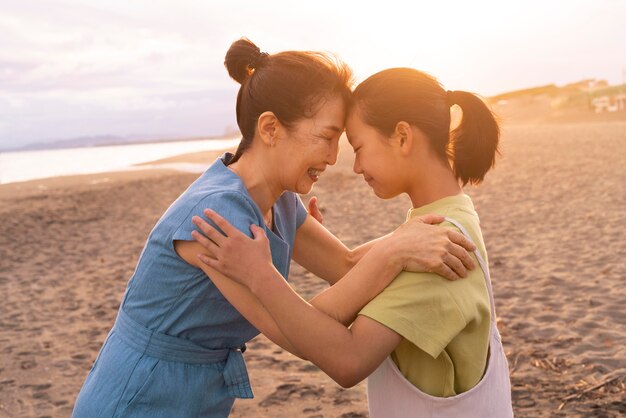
[483, 266]
[392, 395]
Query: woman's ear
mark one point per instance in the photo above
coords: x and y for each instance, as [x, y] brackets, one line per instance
[267, 126]
[403, 136]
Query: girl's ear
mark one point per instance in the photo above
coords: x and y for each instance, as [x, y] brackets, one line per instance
[267, 126]
[403, 138]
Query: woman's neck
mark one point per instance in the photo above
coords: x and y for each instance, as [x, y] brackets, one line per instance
[433, 183]
[257, 181]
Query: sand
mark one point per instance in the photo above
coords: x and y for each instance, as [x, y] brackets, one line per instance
[553, 219]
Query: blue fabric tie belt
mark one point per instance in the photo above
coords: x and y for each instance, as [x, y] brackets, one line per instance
[169, 348]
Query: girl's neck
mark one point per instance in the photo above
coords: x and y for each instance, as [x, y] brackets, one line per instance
[436, 182]
[257, 181]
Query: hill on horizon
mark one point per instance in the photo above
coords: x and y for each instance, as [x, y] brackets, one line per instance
[573, 102]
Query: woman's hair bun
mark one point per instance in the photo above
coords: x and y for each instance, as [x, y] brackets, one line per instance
[242, 58]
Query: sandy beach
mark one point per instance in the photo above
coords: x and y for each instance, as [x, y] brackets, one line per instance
[553, 219]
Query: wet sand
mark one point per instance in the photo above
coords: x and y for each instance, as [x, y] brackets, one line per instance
[553, 218]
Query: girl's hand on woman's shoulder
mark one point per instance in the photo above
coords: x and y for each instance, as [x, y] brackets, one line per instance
[235, 255]
[422, 246]
[314, 210]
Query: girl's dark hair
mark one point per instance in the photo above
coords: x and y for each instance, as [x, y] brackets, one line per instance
[409, 95]
[292, 84]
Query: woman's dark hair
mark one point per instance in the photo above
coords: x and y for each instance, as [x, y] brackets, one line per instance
[292, 84]
[409, 95]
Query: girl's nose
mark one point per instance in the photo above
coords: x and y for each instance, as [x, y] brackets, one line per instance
[357, 167]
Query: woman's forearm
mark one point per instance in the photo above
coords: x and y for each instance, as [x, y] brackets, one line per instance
[343, 301]
[356, 254]
[320, 252]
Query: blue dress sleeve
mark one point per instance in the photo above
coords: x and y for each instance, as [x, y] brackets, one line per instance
[232, 206]
[301, 212]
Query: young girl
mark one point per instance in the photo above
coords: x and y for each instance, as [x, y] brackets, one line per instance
[176, 347]
[429, 346]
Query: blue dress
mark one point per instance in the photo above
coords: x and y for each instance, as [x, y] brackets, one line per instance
[176, 347]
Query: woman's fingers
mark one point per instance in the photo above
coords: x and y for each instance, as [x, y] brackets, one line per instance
[443, 270]
[461, 240]
[455, 265]
[460, 253]
[207, 229]
[431, 219]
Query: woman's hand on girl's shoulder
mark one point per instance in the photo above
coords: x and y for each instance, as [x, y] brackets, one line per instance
[422, 246]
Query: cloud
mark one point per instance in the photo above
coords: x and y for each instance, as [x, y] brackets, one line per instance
[115, 66]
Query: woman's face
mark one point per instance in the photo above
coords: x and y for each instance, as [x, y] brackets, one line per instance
[310, 146]
[375, 157]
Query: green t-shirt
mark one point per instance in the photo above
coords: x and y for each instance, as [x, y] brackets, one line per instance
[445, 324]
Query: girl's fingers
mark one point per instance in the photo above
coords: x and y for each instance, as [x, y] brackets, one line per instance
[211, 262]
[314, 210]
[208, 230]
[257, 231]
[222, 223]
[208, 245]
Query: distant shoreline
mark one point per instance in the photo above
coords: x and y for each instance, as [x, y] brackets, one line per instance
[106, 141]
[187, 156]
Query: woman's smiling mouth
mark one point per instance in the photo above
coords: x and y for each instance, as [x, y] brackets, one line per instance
[314, 173]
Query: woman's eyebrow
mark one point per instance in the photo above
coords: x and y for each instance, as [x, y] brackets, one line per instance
[334, 128]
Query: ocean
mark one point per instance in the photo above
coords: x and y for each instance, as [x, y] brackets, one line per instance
[30, 165]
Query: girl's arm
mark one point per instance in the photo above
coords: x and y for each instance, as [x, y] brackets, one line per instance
[347, 355]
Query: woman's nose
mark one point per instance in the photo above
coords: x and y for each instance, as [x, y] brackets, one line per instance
[333, 152]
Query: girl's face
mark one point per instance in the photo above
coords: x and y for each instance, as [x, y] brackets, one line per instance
[310, 146]
[375, 157]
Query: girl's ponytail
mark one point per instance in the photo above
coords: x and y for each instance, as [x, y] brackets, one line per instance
[473, 144]
[412, 96]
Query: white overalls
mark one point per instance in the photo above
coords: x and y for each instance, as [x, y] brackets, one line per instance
[391, 395]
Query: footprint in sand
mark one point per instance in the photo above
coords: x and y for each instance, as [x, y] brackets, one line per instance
[284, 393]
[309, 368]
[353, 415]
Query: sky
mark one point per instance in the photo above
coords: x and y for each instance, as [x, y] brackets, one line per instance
[72, 68]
